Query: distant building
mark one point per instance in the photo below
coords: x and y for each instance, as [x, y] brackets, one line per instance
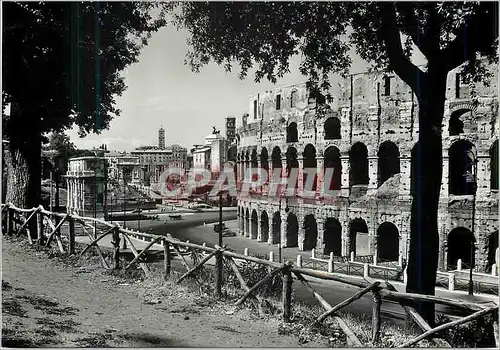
[230, 129]
[161, 138]
[86, 185]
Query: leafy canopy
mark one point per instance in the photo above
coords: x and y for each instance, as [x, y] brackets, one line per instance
[266, 35]
[62, 60]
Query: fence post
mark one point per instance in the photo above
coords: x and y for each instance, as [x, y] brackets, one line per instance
[39, 226]
[459, 264]
[287, 294]
[245, 251]
[299, 260]
[494, 270]
[451, 281]
[72, 235]
[271, 256]
[375, 257]
[352, 256]
[366, 270]
[400, 260]
[405, 276]
[218, 274]
[330, 265]
[116, 245]
[313, 253]
[377, 301]
[166, 258]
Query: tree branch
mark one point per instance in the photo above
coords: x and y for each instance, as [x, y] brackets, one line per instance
[478, 34]
[401, 64]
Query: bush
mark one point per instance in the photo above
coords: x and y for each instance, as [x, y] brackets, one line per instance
[477, 333]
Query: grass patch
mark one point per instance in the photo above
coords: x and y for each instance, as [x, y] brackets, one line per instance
[13, 308]
[6, 286]
[68, 326]
[94, 340]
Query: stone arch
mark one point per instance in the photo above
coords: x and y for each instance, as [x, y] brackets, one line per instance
[255, 223]
[332, 129]
[294, 95]
[292, 134]
[356, 226]
[247, 221]
[292, 231]
[461, 121]
[291, 162]
[264, 226]
[492, 249]
[276, 232]
[310, 232]
[388, 242]
[358, 159]
[264, 159]
[310, 163]
[494, 166]
[461, 177]
[276, 161]
[459, 247]
[333, 162]
[388, 161]
[332, 238]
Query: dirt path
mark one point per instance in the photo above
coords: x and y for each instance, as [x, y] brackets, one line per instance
[48, 303]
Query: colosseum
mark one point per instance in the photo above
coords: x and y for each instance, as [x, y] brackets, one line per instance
[369, 139]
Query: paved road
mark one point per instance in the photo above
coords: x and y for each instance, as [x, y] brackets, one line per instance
[333, 292]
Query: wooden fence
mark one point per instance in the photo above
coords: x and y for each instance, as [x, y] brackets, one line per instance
[17, 219]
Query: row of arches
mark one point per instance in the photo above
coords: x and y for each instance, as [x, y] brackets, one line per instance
[331, 129]
[387, 243]
[461, 121]
[387, 234]
[462, 177]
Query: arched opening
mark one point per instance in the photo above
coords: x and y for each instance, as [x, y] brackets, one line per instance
[311, 232]
[358, 158]
[264, 159]
[292, 231]
[292, 164]
[310, 163]
[246, 166]
[241, 218]
[459, 247]
[388, 161]
[492, 249]
[332, 128]
[293, 99]
[333, 168]
[276, 160]
[494, 166]
[357, 226]
[461, 177]
[247, 222]
[276, 228]
[292, 134]
[332, 237]
[388, 242]
[255, 223]
[460, 122]
[264, 226]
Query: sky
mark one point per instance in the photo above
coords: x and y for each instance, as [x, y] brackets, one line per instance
[163, 91]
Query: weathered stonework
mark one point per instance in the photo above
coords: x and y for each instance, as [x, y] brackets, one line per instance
[372, 135]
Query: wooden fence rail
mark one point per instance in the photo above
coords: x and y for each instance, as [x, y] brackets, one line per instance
[15, 215]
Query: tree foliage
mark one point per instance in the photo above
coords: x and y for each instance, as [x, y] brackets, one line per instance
[267, 35]
[62, 60]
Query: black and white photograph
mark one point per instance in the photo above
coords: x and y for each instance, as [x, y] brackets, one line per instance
[250, 174]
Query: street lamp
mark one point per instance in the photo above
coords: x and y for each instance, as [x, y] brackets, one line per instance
[472, 243]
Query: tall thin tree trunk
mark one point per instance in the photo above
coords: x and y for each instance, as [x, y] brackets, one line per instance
[424, 238]
[23, 162]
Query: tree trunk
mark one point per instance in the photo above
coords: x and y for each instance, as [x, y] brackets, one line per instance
[424, 238]
[23, 162]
